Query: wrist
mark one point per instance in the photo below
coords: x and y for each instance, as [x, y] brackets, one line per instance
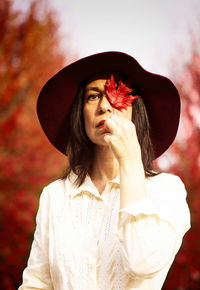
[127, 162]
[132, 182]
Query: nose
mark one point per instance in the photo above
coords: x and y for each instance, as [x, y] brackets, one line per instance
[104, 105]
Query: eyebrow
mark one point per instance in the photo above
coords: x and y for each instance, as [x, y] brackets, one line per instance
[93, 89]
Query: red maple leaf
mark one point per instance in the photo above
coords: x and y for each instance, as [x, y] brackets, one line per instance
[119, 97]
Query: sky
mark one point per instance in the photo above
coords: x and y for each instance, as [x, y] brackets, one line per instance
[155, 32]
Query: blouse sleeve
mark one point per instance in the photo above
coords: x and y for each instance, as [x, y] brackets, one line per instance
[151, 230]
[37, 275]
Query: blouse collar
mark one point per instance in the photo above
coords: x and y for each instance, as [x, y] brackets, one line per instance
[87, 186]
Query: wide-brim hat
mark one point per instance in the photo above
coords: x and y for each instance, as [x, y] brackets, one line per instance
[159, 94]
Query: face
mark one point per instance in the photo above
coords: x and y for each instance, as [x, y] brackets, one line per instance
[97, 108]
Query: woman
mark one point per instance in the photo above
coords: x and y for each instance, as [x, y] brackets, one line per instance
[112, 222]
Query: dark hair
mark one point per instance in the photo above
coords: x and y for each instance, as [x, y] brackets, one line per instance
[80, 149]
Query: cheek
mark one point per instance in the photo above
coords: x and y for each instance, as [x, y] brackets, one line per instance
[127, 113]
[130, 111]
[87, 120]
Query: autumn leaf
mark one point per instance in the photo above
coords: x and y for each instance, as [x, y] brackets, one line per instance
[22, 170]
[120, 96]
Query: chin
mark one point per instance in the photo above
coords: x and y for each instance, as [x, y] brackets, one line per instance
[101, 142]
[99, 139]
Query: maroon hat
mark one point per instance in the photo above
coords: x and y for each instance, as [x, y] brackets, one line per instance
[159, 94]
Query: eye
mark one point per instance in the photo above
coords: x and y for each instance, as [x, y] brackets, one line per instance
[93, 97]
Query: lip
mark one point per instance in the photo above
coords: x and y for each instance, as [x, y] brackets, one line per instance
[101, 124]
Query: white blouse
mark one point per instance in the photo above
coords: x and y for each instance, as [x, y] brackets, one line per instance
[83, 241]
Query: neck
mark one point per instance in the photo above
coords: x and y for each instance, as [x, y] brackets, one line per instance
[105, 166]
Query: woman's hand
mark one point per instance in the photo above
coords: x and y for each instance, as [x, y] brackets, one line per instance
[123, 139]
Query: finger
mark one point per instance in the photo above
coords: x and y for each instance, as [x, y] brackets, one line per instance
[111, 142]
[107, 139]
[110, 124]
[121, 122]
[119, 119]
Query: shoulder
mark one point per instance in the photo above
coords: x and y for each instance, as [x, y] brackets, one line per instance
[53, 191]
[165, 178]
[167, 183]
[58, 184]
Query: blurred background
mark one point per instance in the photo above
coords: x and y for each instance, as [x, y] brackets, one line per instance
[39, 37]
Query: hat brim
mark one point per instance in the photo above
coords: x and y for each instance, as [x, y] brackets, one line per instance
[159, 95]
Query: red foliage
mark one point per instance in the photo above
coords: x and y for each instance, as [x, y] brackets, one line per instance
[119, 96]
[184, 160]
[29, 55]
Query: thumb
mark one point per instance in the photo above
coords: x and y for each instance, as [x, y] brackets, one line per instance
[107, 139]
